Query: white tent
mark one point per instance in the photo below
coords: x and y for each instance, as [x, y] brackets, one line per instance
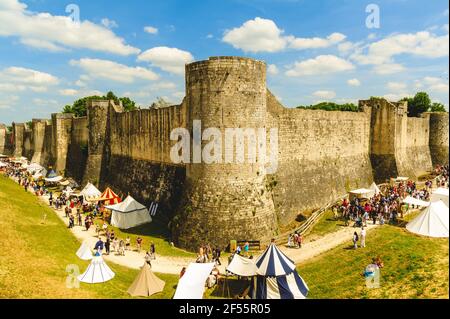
[414, 201]
[440, 194]
[97, 272]
[54, 179]
[90, 192]
[128, 214]
[375, 188]
[192, 284]
[2, 164]
[35, 168]
[241, 266]
[432, 222]
[362, 193]
[85, 252]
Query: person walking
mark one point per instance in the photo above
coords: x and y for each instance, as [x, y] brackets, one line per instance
[363, 237]
[107, 245]
[138, 244]
[355, 240]
[153, 251]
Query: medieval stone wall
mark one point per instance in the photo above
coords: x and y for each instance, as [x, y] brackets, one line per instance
[78, 149]
[322, 155]
[439, 141]
[2, 138]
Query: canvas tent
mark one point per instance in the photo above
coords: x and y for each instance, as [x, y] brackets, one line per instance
[362, 193]
[440, 194]
[97, 272]
[414, 201]
[109, 197]
[146, 283]
[375, 189]
[128, 214]
[277, 277]
[241, 266]
[192, 284]
[432, 222]
[35, 168]
[90, 193]
[54, 179]
[3, 164]
[84, 252]
[52, 174]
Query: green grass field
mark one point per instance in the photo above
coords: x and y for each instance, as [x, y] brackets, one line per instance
[34, 257]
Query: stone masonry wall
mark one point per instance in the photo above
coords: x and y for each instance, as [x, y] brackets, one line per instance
[18, 130]
[2, 138]
[38, 136]
[439, 141]
[78, 149]
[322, 155]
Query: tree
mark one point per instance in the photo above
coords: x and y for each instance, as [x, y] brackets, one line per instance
[128, 104]
[330, 106]
[79, 107]
[418, 104]
[437, 107]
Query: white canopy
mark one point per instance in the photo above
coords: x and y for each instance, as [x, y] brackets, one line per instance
[414, 201]
[192, 284]
[440, 194]
[85, 252]
[3, 164]
[129, 213]
[375, 188]
[90, 192]
[432, 222]
[97, 272]
[35, 167]
[363, 192]
[54, 179]
[401, 179]
[242, 266]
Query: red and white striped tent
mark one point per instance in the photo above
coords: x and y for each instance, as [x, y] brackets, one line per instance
[109, 197]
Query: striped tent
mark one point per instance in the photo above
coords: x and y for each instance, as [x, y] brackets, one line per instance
[109, 197]
[277, 277]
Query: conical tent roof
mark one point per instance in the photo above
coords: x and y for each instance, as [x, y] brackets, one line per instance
[52, 174]
[375, 188]
[84, 252]
[432, 222]
[97, 272]
[146, 283]
[127, 206]
[274, 263]
[440, 194]
[109, 197]
[90, 192]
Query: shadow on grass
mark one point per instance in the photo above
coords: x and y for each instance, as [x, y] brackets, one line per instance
[157, 228]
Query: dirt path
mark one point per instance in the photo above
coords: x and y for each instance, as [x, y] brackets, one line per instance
[329, 241]
[132, 259]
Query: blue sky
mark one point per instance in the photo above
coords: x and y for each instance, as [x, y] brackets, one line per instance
[315, 50]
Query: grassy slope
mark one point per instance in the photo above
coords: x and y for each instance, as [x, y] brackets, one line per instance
[415, 267]
[34, 256]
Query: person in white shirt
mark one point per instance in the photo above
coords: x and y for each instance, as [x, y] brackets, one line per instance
[363, 237]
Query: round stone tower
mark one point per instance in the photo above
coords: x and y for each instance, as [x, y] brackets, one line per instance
[225, 200]
[439, 138]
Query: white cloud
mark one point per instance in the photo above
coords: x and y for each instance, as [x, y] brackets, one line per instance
[54, 33]
[384, 69]
[171, 60]
[163, 86]
[68, 92]
[151, 30]
[8, 102]
[397, 96]
[324, 94]
[106, 69]
[322, 64]
[263, 35]
[80, 83]
[436, 85]
[272, 69]
[423, 43]
[209, 36]
[445, 27]
[19, 79]
[354, 82]
[110, 24]
[44, 102]
[396, 86]
[315, 43]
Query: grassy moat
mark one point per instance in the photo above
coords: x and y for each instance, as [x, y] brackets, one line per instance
[34, 257]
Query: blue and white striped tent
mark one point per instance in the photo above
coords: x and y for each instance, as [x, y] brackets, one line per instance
[277, 277]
